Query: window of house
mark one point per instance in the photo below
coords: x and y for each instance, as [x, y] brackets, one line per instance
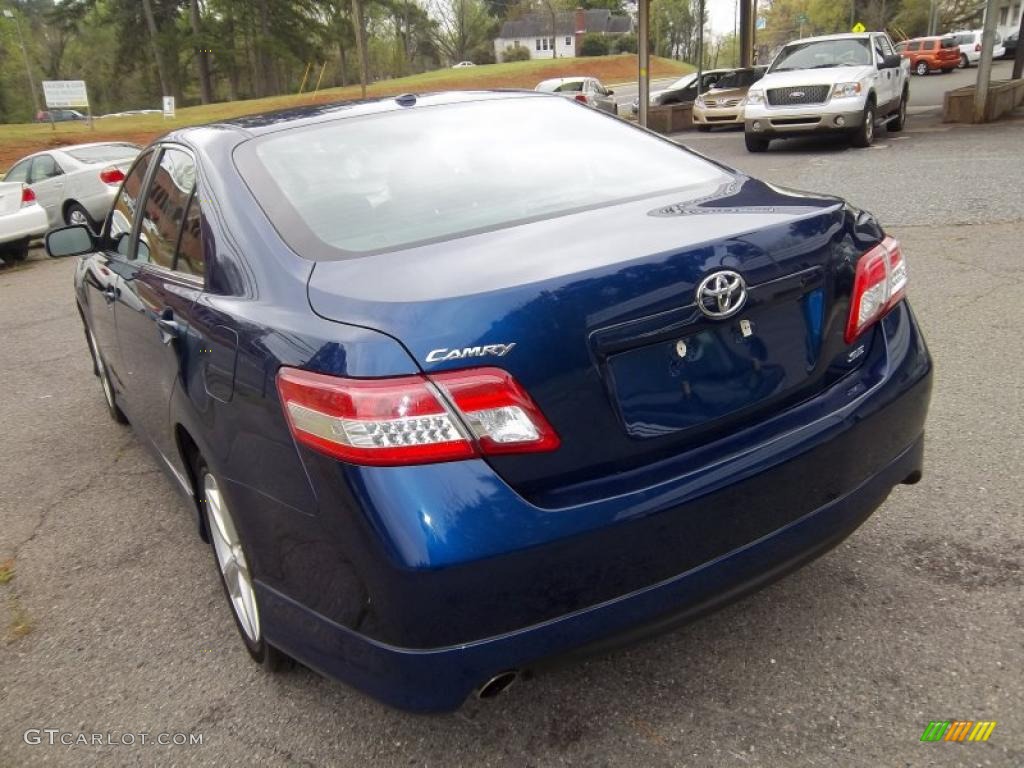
[537, 41]
[568, 40]
[1004, 12]
[545, 43]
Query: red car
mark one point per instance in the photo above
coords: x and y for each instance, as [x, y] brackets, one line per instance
[927, 54]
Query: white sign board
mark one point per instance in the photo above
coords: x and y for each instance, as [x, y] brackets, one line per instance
[168, 106]
[762, 23]
[65, 93]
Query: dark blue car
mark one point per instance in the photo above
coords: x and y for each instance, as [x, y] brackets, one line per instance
[461, 383]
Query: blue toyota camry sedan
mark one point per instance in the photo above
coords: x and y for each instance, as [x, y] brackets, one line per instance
[460, 383]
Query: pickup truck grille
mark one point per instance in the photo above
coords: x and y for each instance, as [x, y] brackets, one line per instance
[799, 94]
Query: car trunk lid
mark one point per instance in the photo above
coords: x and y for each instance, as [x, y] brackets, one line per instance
[594, 313]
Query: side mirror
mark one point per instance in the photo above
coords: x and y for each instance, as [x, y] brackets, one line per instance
[892, 62]
[70, 241]
[609, 92]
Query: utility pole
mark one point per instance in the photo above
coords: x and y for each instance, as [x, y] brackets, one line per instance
[644, 58]
[988, 37]
[1018, 57]
[700, 43]
[8, 14]
[747, 10]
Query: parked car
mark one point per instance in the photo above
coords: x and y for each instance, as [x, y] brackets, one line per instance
[1010, 46]
[586, 90]
[76, 184]
[445, 412]
[837, 83]
[969, 42]
[723, 103]
[930, 54]
[683, 90]
[463, 65]
[59, 115]
[21, 220]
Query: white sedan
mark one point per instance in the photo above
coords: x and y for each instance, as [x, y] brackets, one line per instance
[21, 220]
[76, 184]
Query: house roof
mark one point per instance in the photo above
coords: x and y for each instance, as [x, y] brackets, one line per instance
[538, 24]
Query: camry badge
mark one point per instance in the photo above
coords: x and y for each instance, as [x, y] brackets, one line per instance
[487, 350]
[721, 294]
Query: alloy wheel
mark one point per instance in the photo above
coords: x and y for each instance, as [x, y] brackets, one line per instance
[76, 216]
[234, 568]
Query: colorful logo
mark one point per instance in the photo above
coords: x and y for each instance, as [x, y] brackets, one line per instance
[958, 730]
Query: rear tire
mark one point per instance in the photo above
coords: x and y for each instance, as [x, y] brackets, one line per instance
[235, 570]
[756, 143]
[864, 135]
[16, 251]
[76, 214]
[897, 123]
[921, 68]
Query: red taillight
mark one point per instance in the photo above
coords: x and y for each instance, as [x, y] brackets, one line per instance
[880, 283]
[413, 419]
[111, 175]
[581, 98]
[977, 47]
[27, 196]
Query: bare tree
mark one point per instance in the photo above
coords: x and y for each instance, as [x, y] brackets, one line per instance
[360, 29]
[461, 25]
[202, 54]
[147, 9]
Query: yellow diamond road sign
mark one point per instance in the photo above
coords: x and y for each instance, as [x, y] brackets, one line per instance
[858, 27]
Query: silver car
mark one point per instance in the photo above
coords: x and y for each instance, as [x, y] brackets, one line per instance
[76, 184]
[586, 90]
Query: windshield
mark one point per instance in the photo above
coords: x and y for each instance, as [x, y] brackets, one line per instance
[682, 82]
[819, 54]
[391, 180]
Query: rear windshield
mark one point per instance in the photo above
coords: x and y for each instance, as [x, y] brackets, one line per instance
[388, 181]
[108, 153]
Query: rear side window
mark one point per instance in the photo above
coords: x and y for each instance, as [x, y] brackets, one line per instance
[948, 42]
[914, 46]
[190, 258]
[44, 167]
[928, 45]
[576, 85]
[388, 181]
[164, 210]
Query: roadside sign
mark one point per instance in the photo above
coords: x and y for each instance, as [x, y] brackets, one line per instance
[858, 28]
[61, 94]
[168, 106]
[762, 23]
[802, 18]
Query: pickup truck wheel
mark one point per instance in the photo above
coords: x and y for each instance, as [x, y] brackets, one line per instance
[864, 136]
[921, 68]
[899, 120]
[756, 143]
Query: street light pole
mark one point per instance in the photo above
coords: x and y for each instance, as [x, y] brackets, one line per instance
[988, 36]
[644, 59]
[8, 14]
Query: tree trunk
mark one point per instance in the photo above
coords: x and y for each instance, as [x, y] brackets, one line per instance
[360, 30]
[202, 56]
[147, 8]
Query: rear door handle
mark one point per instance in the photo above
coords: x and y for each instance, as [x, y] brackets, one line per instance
[110, 294]
[170, 329]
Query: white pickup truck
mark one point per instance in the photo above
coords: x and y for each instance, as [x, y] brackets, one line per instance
[838, 83]
[21, 219]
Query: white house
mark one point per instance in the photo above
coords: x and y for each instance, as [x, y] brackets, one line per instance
[1008, 16]
[534, 32]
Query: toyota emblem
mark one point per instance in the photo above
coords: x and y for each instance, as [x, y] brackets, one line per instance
[721, 294]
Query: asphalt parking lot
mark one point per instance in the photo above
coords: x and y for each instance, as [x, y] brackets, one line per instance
[114, 620]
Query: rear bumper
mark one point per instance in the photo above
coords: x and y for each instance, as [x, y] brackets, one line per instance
[440, 679]
[458, 578]
[27, 222]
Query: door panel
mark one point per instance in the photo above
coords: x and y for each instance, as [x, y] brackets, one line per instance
[47, 181]
[154, 306]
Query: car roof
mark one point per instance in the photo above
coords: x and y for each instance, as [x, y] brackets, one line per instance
[841, 36]
[250, 126]
[71, 147]
[560, 80]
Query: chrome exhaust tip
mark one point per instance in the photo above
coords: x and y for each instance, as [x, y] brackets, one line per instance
[497, 684]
